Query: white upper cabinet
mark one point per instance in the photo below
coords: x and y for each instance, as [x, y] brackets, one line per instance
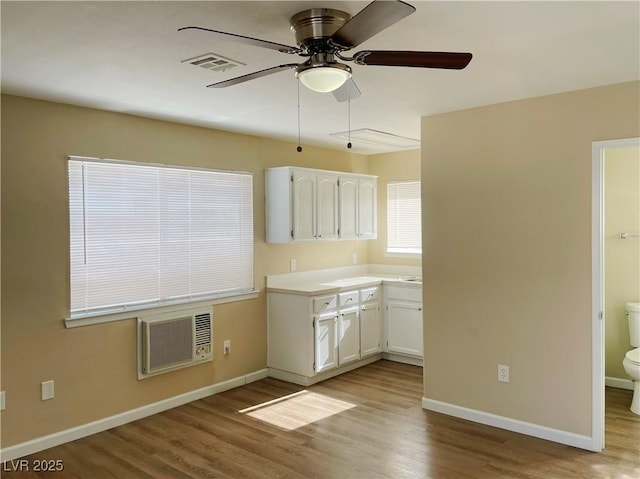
[367, 221]
[349, 207]
[304, 204]
[314, 205]
[327, 206]
[301, 205]
[358, 200]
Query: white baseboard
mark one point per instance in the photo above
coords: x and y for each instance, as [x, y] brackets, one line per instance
[618, 383]
[535, 430]
[257, 376]
[401, 358]
[68, 435]
[301, 380]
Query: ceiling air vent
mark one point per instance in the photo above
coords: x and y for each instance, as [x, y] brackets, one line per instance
[214, 62]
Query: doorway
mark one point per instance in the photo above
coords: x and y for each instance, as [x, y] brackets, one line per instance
[599, 153]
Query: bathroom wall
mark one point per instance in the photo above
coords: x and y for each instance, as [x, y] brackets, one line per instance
[622, 256]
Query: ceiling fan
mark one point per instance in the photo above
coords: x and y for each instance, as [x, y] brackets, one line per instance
[323, 35]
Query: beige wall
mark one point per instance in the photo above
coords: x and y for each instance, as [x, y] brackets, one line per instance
[94, 367]
[507, 252]
[622, 257]
[400, 166]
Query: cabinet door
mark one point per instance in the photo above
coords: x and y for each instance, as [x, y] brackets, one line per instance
[326, 343]
[367, 201]
[404, 328]
[348, 207]
[303, 205]
[327, 206]
[349, 336]
[370, 329]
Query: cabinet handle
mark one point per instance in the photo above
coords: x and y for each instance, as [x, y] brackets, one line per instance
[327, 303]
[350, 299]
[419, 309]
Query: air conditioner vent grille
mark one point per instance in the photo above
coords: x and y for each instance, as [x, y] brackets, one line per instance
[203, 329]
[173, 340]
[172, 343]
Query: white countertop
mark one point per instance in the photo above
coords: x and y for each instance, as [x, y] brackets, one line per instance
[329, 281]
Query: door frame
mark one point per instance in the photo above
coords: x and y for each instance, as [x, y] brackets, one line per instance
[597, 274]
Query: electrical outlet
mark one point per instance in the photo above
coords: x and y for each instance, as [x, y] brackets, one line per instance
[503, 373]
[354, 258]
[47, 391]
[1, 400]
[227, 346]
[292, 265]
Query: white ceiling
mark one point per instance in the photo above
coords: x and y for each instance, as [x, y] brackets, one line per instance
[126, 57]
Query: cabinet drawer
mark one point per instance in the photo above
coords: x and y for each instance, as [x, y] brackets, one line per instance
[370, 294]
[348, 299]
[404, 294]
[324, 303]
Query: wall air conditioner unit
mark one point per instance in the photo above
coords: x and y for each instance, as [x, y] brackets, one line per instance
[172, 341]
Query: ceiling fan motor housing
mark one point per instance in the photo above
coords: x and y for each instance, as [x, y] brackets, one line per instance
[312, 28]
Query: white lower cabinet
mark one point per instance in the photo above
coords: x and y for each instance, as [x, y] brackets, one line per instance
[370, 330]
[404, 328]
[370, 321]
[403, 310]
[311, 338]
[326, 342]
[349, 336]
[313, 335]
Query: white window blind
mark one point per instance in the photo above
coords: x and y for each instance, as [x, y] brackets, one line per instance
[146, 235]
[404, 225]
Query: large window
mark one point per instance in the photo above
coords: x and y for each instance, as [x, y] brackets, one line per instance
[146, 235]
[404, 225]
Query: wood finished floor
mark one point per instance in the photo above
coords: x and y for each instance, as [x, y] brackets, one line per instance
[367, 424]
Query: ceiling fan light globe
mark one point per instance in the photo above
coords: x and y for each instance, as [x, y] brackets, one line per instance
[323, 79]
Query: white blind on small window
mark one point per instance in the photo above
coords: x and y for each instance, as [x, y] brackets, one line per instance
[404, 225]
[145, 235]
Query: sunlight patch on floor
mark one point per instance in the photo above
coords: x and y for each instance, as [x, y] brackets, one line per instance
[607, 471]
[297, 409]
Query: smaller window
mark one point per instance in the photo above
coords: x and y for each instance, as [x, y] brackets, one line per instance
[404, 225]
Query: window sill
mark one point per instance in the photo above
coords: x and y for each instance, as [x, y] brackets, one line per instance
[133, 313]
[397, 254]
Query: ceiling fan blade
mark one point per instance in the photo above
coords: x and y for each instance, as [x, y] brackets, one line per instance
[348, 91]
[448, 60]
[256, 42]
[371, 20]
[252, 76]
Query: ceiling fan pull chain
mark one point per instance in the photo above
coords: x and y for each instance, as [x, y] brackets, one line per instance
[299, 148]
[349, 113]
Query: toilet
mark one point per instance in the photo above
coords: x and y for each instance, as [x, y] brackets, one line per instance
[631, 362]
